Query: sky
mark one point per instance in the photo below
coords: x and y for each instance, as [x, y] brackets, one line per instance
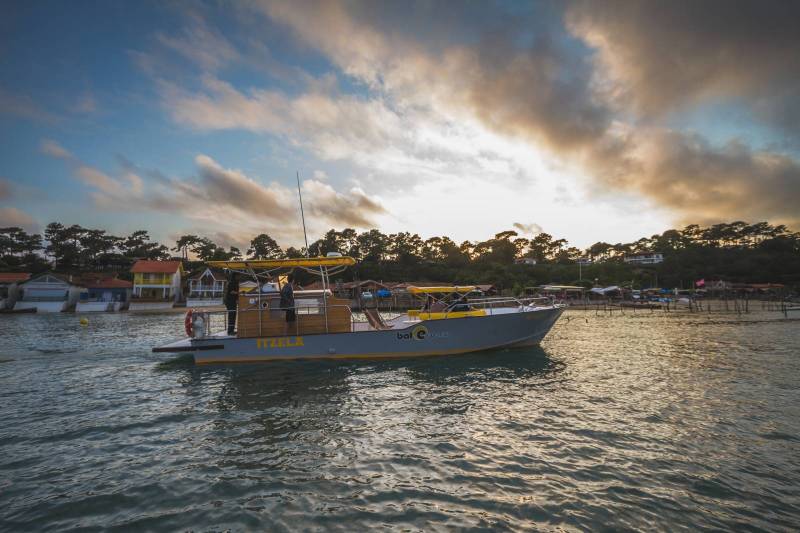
[589, 120]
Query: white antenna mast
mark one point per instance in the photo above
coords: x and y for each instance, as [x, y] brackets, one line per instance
[302, 214]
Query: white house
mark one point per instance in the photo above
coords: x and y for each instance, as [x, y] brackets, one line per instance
[650, 258]
[156, 284]
[9, 287]
[206, 289]
[48, 293]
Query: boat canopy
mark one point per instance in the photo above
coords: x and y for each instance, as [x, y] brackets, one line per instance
[304, 262]
[439, 290]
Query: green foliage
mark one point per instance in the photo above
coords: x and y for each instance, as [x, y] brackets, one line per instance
[736, 251]
[264, 247]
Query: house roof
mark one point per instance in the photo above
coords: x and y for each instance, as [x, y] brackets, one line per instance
[144, 266]
[14, 277]
[216, 274]
[107, 283]
[64, 278]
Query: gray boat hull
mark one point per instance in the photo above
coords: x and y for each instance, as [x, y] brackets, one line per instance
[423, 338]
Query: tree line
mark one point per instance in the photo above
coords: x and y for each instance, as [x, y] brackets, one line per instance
[736, 251]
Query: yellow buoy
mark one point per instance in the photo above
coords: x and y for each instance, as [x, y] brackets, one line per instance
[84, 321]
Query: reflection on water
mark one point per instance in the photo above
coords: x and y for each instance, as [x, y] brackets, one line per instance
[621, 422]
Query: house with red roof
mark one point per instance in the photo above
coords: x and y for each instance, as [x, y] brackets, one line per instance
[9, 287]
[156, 284]
[104, 294]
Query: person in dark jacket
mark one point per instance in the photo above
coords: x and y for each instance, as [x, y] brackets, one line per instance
[230, 300]
[287, 301]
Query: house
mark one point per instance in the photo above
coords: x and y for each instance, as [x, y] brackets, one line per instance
[48, 293]
[719, 285]
[104, 295]
[650, 258]
[584, 261]
[9, 288]
[156, 284]
[525, 261]
[206, 288]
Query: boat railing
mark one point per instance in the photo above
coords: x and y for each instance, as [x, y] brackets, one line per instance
[494, 302]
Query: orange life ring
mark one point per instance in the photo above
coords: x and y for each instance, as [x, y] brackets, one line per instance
[187, 322]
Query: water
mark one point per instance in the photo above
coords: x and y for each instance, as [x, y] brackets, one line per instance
[634, 422]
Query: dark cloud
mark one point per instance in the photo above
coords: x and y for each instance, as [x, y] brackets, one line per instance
[669, 55]
[528, 229]
[355, 209]
[703, 182]
[232, 188]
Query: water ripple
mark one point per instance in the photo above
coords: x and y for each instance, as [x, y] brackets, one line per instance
[633, 422]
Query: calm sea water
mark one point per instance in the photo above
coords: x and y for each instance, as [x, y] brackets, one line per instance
[634, 422]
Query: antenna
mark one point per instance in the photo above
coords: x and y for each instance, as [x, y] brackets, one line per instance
[302, 214]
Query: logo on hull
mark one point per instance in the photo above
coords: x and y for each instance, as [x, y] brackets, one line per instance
[419, 333]
[279, 342]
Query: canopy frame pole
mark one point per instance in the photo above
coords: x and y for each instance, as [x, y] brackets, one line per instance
[322, 272]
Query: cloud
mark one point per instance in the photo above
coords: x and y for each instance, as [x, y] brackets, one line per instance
[499, 98]
[679, 54]
[24, 106]
[528, 229]
[86, 104]
[224, 200]
[353, 209]
[334, 126]
[534, 84]
[13, 217]
[706, 183]
[53, 149]
[200, 44]
[233, 189]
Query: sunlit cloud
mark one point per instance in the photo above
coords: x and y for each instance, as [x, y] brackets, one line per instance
[223, 200]
[551, 96]
[13, 217]
[53, 149]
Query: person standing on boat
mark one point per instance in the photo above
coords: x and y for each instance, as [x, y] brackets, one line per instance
[287, 301]
[231, 295]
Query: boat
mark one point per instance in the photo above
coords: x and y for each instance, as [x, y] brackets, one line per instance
[326, 327]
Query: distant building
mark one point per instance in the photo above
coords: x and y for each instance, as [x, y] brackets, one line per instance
[9, 287]
[156, 284]
[48, 293]
[525, 261]
[584, 261]
[719, 285]
[104, 295]
[206, 288]
[652, 258]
